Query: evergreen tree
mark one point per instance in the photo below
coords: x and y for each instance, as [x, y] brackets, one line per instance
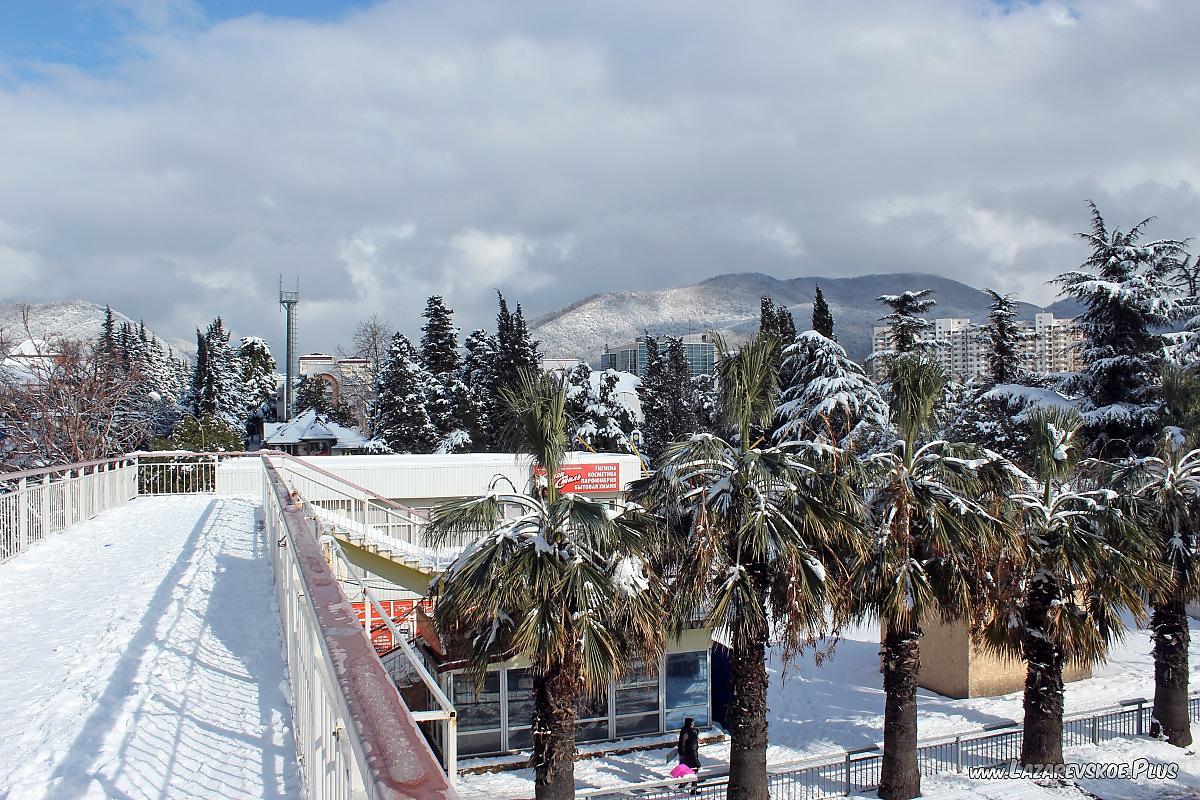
[257, 371]
[439, 339]
[785, 326]
[201, 435]
[653, 392]
[706, 402]
[516, 353]
[605, 421]
[314, 393]
[107, 343]
[1003, 339]
[478, 375]
[447, 397]
[1125, 287]
[822, 317]
[829, 398]
[398, 416]
[904, 317]
[216, 387]
[684, 421]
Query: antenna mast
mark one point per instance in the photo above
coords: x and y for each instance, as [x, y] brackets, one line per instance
[288, 301]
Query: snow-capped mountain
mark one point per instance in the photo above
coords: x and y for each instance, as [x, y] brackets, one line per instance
[729, 304]
[69, 319]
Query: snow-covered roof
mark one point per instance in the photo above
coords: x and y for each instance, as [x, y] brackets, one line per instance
[309, 426]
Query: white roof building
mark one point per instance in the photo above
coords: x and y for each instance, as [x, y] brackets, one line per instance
[313, 434]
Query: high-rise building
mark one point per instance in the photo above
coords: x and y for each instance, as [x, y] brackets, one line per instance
[699, 351]
[1047, 344]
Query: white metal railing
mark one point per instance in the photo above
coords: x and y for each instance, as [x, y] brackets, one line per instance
[355, 737]
[361, 512]
[37, 503]
[443, 711]
[346, 708]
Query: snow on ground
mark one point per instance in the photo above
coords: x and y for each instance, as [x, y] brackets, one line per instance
[839, 706]
[141, 658]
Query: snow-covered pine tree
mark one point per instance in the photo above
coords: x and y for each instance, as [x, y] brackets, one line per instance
[216, 383]
[516, 353]
[1125, 287]
[822, 317]
[706, 402]
[439, 338]
[904, 317]
[257, 369]
[448, 399]
[1003, 339]
[107, 343]
[398, 416]
[478, 371]
[606, 421]
[680, 392]
[314, 393]
[828, 397]
[653, 392]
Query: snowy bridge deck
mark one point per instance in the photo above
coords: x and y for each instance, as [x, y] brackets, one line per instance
[142, 658]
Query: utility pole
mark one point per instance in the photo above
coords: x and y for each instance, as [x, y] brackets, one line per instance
[288, 301]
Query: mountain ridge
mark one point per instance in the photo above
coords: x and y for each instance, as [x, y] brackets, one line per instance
[70, 319]
[729, 304]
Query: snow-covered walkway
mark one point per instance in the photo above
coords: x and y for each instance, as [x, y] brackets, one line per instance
[141, 658]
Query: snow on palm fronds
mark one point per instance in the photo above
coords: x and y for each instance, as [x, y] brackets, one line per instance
[1077, 559]
[749, 534]
[930, 522]
[1168, 486]
[556, 578]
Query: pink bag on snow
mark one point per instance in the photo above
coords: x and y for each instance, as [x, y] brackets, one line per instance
[682, 771]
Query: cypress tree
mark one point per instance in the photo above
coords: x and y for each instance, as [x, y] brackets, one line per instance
[656, 403]
[516, 353]
[822, 317]
[257, 372]
[683, 419]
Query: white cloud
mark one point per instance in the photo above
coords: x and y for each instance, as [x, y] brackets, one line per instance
[555, 150]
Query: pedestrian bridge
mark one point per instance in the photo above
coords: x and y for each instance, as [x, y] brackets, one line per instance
[174, 628]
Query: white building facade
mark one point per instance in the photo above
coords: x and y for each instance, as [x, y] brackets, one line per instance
[1047, 344]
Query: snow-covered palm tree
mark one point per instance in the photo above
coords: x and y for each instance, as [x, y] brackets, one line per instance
[749, 534]
[561, 584]
[1168, 485]
[1057, 595]
[929, 528]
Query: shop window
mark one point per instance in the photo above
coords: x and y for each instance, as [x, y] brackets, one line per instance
[687, 687]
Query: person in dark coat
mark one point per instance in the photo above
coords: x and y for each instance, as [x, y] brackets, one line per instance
[689, 744]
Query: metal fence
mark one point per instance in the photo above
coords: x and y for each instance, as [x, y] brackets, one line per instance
[37, 503]
[352, 730]
[859, 770]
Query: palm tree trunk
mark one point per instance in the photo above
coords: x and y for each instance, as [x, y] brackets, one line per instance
[747, 717]
[553, 757]
[1171, 720]
[1041, 742]
[900, 775]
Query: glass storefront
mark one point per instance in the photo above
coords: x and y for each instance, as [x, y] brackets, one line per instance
[496, 717]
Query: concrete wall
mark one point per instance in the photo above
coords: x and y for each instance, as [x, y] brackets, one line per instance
[953, 666]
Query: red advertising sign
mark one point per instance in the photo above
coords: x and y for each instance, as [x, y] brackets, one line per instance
[401, 612]
[586, 478]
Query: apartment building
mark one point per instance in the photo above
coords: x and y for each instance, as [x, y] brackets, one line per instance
[1047, 344]
[698, 349]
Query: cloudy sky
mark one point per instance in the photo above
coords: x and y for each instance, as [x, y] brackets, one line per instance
[173, 158]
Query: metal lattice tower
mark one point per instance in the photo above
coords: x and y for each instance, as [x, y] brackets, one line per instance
[288, 301]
